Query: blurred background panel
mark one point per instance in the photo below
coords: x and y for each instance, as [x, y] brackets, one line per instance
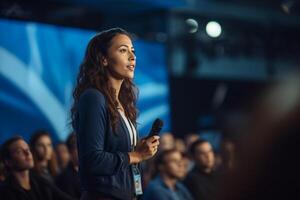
[39, 65]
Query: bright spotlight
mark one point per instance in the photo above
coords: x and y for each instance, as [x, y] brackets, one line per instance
[213, 29]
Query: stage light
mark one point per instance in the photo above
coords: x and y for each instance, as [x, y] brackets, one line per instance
[213, 29]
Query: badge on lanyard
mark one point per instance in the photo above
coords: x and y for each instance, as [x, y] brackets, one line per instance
[137, 180]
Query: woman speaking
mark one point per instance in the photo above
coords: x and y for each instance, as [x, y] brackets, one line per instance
[104, 117]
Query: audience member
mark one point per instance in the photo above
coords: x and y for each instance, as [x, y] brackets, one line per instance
[202, 179]
[180, 145]
[167, 141]
[20, 183]
[43, 155]
[62, 155]
[68, 180]
[166, 185]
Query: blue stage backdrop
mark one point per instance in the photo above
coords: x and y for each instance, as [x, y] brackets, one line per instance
[38, 67]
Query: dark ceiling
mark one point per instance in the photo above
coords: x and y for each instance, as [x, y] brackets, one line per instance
[149, 14]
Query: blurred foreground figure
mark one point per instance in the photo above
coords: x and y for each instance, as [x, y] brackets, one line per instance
[269, 161]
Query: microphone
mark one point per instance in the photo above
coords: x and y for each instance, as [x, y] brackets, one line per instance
[156, 127]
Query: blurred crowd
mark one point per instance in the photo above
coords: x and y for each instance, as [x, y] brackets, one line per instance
[185, 168]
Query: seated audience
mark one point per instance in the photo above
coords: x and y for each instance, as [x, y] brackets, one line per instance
[166, 141]
[166, 185]
[63, 155]
[68, 180]
[21, 183]
[202, 179]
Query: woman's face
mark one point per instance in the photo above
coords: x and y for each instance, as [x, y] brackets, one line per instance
[121, 58]
[44, 148]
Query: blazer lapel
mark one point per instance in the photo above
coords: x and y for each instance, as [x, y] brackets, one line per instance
[124, 127]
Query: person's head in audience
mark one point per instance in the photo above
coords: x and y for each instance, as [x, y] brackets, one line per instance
[20, 182]
[72, 147]
[169, 164]
[203, 155]
[62, 154]
[180, 145]
[43, 153]
[167, 184]
[16, 155]
[167, 141]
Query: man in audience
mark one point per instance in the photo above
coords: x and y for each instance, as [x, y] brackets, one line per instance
[201, 181]
[20, 183]
[68, 180]
[166, 185]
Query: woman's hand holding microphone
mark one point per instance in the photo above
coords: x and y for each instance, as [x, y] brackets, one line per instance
[145, 149]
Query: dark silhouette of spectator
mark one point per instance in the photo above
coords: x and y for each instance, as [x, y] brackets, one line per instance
[166, 185]
[228, 155]
[268, 166]
[20, 183]
[62, 155]
[68, 181]
[45, 163]
[202, 179]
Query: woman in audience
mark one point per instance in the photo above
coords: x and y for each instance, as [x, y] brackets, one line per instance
[45, 163]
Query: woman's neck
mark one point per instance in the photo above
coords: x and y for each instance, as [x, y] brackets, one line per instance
[116, 84]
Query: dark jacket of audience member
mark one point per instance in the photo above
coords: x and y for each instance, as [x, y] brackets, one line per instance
[167, 186]
[202, 179]
[68, 181]
[41, 189]
[202, 186]
[20, 183]
[158, 190]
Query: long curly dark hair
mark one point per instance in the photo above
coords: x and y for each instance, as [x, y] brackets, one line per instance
[93, 74]
[52, 163]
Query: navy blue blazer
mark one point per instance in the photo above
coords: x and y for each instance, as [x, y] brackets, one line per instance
[103, 155]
